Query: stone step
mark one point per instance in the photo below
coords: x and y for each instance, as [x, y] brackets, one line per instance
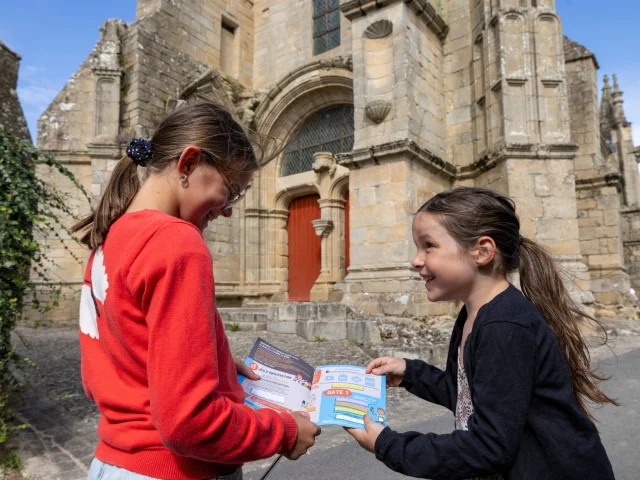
[243, 315]
[244, 319]
[433, 354]
[245, 326]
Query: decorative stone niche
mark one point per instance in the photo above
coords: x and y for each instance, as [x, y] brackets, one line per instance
[378, 48]
[379, 29]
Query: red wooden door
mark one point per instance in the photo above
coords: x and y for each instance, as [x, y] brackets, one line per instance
[347, 260]
[304, 247]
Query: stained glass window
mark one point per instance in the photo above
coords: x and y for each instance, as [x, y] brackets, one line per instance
[326, 25]
[330, 130]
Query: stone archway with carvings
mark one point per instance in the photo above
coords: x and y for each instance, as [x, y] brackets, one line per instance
[313, 88]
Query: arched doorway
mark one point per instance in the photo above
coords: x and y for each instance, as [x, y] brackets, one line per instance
[304, 247]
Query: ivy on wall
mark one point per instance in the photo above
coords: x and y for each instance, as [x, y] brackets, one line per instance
[30, 208]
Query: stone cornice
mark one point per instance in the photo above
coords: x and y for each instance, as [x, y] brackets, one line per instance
[422, 8]
[70, 157]
[265, 213]
[373, 155]
[376, 154]
[490, 158]
[104, 150]
[634, 210]
[610, 180]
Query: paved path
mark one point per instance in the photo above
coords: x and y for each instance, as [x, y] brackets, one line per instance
[619, 428]
[61, 435]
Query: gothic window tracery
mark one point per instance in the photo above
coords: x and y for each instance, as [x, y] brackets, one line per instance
[329, 130]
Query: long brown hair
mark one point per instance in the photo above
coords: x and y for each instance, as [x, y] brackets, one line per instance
[206, 125]
[470, 213]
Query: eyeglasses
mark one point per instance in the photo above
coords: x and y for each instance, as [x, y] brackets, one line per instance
[237, 195]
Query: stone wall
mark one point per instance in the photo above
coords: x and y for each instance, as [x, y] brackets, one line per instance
[383, 199]
[11, 115]
[284, 40]
[581, 67]
[483, 92]
[461, 89]
[631, 242]
[169, 46]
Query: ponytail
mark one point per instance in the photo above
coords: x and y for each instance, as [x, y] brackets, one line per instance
[469, 213]
[121, 188]
[541, 283]
[207, 125]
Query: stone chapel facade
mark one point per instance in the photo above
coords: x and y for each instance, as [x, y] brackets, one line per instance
[392, 101]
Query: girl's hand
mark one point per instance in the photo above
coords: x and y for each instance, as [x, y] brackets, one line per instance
[243, 369]
[307, 433]
[393, 367]
[367, 437]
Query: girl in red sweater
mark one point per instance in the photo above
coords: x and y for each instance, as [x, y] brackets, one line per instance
[155, 357]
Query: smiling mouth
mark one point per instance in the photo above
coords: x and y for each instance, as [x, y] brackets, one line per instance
[428, 278]
[210, 216]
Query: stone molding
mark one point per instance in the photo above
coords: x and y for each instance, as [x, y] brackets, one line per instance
[391, 271]
[74, 157]
[610, 180]
[322, 227]
[492, 157]
[339, 62]
[108, 151]
[373, 155]
[286, 195]
[324, 161]
[422, 8]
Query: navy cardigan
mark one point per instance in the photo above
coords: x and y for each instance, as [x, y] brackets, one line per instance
[526, 423]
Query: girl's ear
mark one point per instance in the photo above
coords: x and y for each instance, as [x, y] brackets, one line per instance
[485, 251]
[189, 160]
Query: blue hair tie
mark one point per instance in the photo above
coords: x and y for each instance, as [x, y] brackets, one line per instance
[140, 151]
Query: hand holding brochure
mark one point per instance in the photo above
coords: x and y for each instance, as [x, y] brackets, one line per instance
[331, 394]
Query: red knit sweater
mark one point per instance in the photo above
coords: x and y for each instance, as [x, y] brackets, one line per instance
[156, 360]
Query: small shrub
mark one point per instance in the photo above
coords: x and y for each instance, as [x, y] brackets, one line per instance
[10, 462]
[319, 339]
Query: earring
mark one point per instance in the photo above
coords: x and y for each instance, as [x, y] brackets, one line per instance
[183, 178]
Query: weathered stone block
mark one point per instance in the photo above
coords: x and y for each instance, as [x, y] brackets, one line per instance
[363, 332]
[327, 330]
[282, 327]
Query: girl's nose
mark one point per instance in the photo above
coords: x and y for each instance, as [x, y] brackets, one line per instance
[227, 212]
[417, 262]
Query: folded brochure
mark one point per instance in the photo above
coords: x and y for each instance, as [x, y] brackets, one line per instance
[331, 394]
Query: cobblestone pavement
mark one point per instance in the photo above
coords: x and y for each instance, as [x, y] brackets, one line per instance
[60, 437]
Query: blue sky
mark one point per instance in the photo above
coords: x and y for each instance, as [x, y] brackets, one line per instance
[54, 37]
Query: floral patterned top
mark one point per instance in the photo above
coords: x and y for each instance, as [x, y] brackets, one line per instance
[464, 408]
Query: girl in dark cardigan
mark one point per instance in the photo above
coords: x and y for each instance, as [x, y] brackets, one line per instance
[517, 377]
